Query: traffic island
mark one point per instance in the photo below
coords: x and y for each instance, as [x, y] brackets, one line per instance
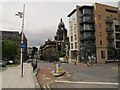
[57, 74]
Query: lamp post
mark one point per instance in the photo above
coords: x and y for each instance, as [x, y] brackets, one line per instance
[21, 15]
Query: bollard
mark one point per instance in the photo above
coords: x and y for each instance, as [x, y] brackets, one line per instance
[74, 62]
[88, 63]
[58, 68]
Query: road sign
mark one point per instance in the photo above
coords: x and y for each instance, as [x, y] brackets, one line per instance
[22, 45]
[59, 65]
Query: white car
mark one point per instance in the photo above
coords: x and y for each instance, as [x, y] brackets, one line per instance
[10, 61]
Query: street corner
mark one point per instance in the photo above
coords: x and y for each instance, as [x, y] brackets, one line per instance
[44, 76]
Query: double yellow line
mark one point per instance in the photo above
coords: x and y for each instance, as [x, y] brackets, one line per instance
[46, 87]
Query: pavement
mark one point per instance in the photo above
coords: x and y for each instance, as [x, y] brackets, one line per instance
[11, 77]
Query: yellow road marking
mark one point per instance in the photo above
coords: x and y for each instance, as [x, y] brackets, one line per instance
[44, 87]
[48, 87]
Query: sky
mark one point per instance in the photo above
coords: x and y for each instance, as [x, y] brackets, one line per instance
[41, 18]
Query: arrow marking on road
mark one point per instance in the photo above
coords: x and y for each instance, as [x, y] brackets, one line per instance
[87, 82]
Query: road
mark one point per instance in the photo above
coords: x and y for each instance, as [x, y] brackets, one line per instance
[81, 76]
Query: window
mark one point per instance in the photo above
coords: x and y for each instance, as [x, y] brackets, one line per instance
[75, 45]
[102, 54]
[111, 11]
[87, 11]
[71, 38]
[75, 37]
[100, 33]
[99, 25]
[71, 45]
[99, 17]
[100, 42]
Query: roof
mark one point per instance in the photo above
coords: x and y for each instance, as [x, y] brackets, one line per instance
[72, 13]
[85, 6]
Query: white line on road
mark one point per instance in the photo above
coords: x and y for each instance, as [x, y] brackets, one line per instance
[87, 82]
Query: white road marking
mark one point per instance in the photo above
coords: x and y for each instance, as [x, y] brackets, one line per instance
[87, 82]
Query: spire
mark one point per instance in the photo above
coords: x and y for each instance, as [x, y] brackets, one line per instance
[61, 20]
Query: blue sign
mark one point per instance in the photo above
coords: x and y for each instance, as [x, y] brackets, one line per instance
[59, 65]
[22, 45]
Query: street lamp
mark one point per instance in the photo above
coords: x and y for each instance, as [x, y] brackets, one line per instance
[21, 15]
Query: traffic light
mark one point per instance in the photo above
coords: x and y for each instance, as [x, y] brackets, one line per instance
[58, 46]
[88, 52]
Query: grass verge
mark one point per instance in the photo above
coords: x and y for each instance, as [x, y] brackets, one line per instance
[14, 64]
[1, 68]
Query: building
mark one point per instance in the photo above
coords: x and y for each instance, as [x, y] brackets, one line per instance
[14, 35]
[61, 34]
[92, 30]
[48, 51]
[29, 52]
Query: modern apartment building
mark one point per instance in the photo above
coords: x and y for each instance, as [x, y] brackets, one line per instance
[92, 30]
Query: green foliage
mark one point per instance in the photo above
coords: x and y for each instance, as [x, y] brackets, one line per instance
[63, 50]
[9, 49]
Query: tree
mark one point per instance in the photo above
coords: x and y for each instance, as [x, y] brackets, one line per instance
[9, 49]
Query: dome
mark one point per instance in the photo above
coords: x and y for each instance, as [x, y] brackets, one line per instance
[61, 24]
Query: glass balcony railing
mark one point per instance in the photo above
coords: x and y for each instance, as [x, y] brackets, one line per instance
[90, 37]
[86, 30]
[86, 21]
[110, 46]
[110, 38]
[109, 29]
[108, 20]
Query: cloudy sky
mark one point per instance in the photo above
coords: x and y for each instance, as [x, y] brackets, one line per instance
[41, 18]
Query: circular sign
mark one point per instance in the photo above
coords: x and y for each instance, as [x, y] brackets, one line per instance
[22, 45]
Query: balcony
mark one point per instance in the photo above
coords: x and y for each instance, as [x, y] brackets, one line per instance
[86, 14]
[88, 46]
[84, 30]
[110, 38]
[81, 38]
[108, 20]
[110, 46]
[90, 37]
[109, 29]
[86, 21]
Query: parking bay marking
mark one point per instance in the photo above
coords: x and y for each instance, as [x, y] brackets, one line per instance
[87, 82]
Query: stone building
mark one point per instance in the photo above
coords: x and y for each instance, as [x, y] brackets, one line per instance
[61, 34]
[48, 51]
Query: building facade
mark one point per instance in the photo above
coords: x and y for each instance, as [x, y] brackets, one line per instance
[48, 51]
[16, 37]
[61, 34]
[92, 31]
